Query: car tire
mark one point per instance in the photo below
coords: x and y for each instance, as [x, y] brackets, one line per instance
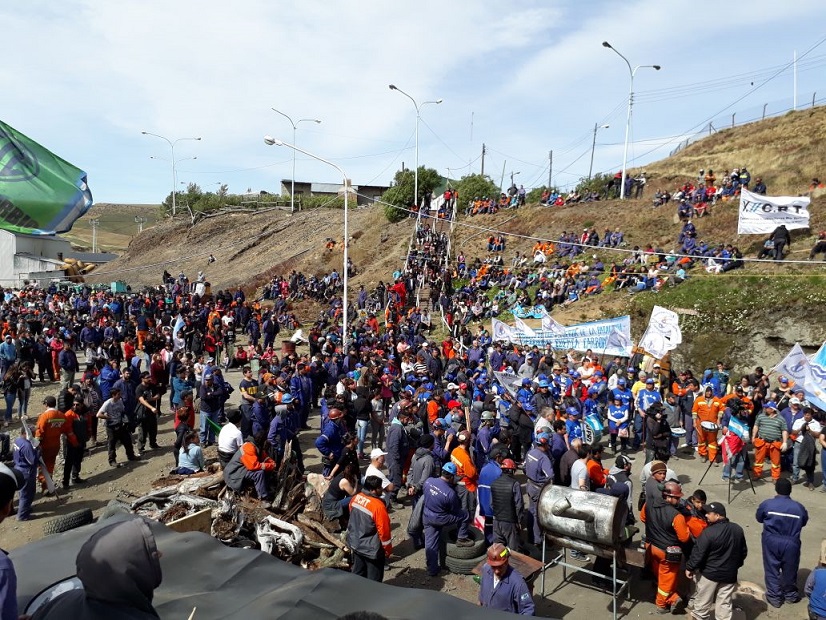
[478, 548]
[68, 522]
[461, 566]
[114, 507]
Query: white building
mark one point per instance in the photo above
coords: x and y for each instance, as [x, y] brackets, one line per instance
[31, 257]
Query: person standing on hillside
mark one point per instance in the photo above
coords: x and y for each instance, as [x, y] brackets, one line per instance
[783, 520]
[717, 556]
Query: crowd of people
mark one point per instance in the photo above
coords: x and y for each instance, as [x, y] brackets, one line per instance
[406, 420]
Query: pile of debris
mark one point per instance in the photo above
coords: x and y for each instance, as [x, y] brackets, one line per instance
[293, 528]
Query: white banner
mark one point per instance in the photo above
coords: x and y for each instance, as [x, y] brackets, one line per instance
[663, 333]
[760, 215]
[806, 374]
[523, 328]
[584, 336]
[549, 324]
[503, 332]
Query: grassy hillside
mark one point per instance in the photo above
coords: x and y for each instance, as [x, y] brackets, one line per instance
[117, 226]
[787, 151]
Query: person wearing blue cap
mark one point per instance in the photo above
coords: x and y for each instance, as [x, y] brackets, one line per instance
[442, 509]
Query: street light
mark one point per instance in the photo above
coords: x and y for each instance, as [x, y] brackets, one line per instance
[174, 169]
[632, 72]
[269, 140]
[292, 178]
[418, 117]
[171, 146]
[513, 174]
[594, 146]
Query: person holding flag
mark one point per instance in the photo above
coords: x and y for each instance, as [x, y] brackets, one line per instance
[735, 425]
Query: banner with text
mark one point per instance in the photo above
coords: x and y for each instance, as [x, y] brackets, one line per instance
[584, 336]
[760, 215]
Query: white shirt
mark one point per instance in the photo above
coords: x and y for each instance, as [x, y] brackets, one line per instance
[230, 439]
[372, 470]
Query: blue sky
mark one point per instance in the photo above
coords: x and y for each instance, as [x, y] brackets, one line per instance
[88, 76]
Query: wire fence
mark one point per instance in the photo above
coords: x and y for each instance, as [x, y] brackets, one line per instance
[751, 115]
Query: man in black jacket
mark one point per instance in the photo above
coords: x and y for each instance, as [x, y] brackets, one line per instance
[508, 505]
[718, 554]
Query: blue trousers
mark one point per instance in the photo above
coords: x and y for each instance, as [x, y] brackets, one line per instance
[638, 431]
[739, 462]
[533, 496]
[434, 548]
[10, 396]
[781, 559]
[25, 496]
[207, 434]
[690, 431]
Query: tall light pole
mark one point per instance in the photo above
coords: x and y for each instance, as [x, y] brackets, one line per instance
[171, 144]
[513, 174]
[269, 140]
[292, 178]
[418, 118]
[174, 166]
[594, 146]
[632, 73]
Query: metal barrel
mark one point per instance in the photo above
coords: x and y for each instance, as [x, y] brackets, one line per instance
[582, 515]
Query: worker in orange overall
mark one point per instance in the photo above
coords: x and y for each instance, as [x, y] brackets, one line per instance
[707, 409]
[51, 425]
[665, 533]
[770, 437]
[467, 476]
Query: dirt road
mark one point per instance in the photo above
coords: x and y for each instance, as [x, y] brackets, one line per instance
[577, 599]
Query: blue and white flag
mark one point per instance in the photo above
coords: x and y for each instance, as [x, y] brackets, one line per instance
[806, 375]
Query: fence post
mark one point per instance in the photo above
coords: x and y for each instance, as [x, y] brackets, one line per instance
[814, 94]
[764, 111]
[710, 128]
[732, 119]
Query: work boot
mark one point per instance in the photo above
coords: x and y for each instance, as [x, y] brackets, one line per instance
[78, 480]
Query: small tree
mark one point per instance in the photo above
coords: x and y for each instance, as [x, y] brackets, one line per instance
[476, 186]
[400, 196]
[597, 183]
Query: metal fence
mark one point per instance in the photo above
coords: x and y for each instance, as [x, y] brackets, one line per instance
[750, 115]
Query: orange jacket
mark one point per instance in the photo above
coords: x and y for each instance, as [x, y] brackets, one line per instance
[707, 410]
[596, 473]
[465, 469]
[250, 460]
[50, 426]
[696, 525]
[377, 511]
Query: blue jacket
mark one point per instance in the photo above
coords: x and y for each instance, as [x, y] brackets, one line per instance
[398, 444]
[441, 504]
[782, 516]
[816, 591]
[490, 472]
[108, 376]
[330, 441]
[538, 467]
[511, 594]
[260, 417]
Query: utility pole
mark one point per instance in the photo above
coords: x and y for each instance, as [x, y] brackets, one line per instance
[483, 159]
[794, 98]
[550, 169]
[502, 178]
[95, 223]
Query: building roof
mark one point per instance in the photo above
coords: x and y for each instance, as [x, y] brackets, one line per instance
[91, 257]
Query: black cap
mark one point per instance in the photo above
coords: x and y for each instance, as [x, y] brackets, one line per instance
[715, 507]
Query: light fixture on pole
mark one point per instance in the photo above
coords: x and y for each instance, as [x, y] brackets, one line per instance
[594, 146]
[418, 117]
[632, 73]
[513, 174]
[269, 140]
[172, 147]
[292, 178]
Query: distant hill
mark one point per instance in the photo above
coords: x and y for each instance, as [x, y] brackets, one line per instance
[117, 226]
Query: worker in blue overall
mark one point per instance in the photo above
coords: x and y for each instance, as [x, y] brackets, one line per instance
[501, 587]
[816, 588]
[783, 519]
[441, 509]
[539, 470]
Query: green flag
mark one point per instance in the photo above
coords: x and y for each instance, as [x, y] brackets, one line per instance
[40, 193]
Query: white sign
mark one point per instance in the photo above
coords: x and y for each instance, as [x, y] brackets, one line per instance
[523, 328]
[663, 333]
[503, 332]
[760, 215]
